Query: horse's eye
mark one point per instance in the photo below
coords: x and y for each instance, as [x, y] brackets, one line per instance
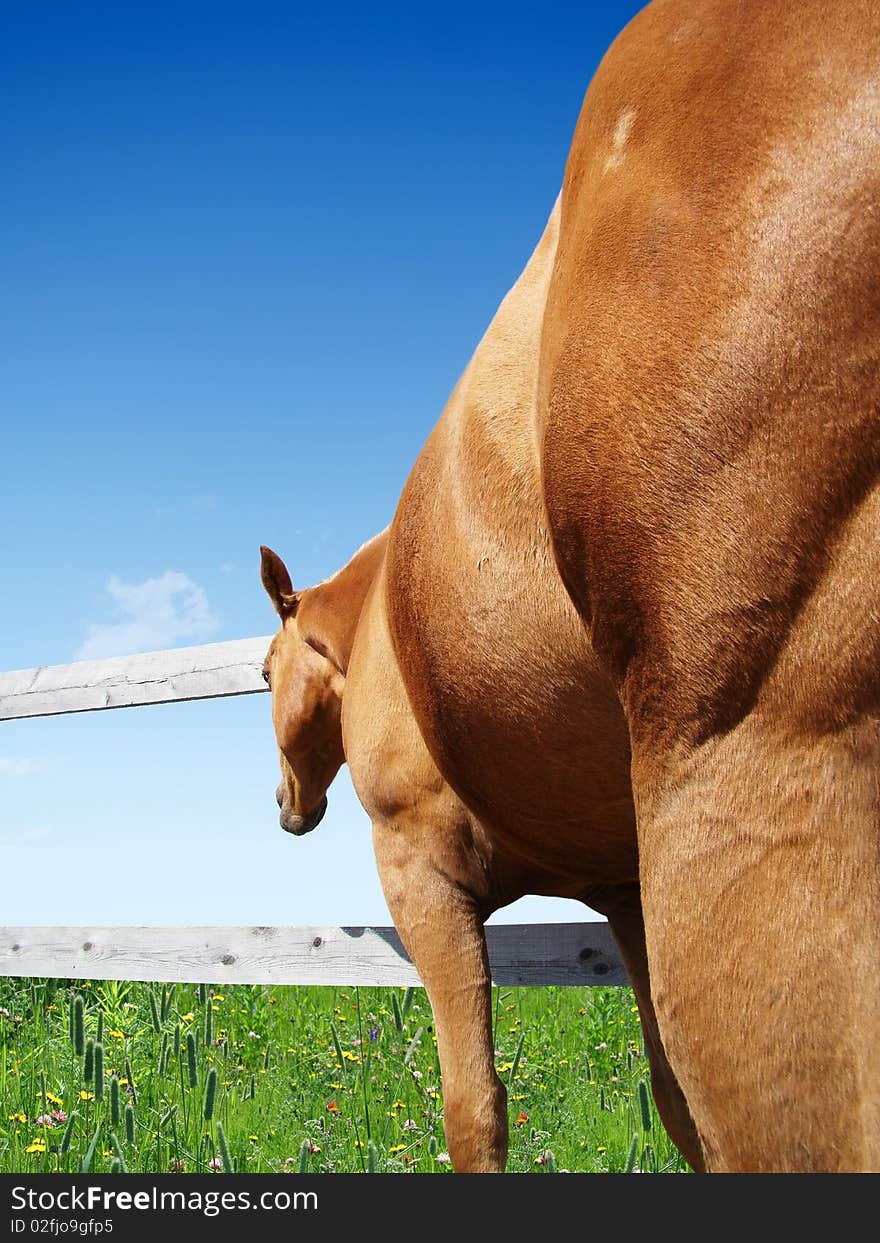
[265, 673]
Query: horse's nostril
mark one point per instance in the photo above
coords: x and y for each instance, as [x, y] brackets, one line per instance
[279, 796]
[298, 825]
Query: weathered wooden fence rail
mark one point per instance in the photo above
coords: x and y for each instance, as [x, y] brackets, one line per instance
[518, 953]
[210, 671]
[569, 954]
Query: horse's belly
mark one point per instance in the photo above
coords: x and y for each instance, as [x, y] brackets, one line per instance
[517, 714]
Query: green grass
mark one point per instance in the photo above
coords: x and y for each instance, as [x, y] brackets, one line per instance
[192, 1078]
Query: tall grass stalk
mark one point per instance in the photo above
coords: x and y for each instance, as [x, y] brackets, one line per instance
[192, 1068]
[129, 1074]
[117, 1149]
[86, 1163]
[225, 1157]
[68, 1134]
[78, 1025]
[89, 1061]
[338, 1047]
[514, 1066]
[154, 1012]
[99, 1072]
[210, 1093]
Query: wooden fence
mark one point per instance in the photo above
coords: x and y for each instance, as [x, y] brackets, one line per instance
[570, 954]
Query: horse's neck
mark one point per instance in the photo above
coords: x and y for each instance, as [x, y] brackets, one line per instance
[329, 613]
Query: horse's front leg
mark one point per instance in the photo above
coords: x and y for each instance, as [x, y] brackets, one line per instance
[439, 923]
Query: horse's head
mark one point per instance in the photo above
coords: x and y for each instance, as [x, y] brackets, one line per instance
[306, 688]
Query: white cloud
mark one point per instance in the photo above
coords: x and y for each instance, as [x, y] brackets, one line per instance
[16, 766]
[160, 612]
[37, 836]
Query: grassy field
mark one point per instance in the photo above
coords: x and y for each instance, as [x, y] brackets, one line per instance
[106, 1076]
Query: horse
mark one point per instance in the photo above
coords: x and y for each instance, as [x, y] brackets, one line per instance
[660, 468]
[657, 477]
[338, 696]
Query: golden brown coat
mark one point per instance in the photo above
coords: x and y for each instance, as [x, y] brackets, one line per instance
[648, 518]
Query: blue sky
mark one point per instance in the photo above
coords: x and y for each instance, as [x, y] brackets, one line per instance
[246, 251]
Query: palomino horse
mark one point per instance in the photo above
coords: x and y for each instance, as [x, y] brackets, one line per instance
[337, 694]
[676, 413]
[647, 518]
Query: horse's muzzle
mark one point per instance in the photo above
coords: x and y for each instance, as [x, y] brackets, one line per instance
[299, 825]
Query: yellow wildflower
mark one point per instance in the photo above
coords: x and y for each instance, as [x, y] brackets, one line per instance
[39, 1145]
[86, 1096]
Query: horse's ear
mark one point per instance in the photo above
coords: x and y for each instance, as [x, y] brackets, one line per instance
[277, 582]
